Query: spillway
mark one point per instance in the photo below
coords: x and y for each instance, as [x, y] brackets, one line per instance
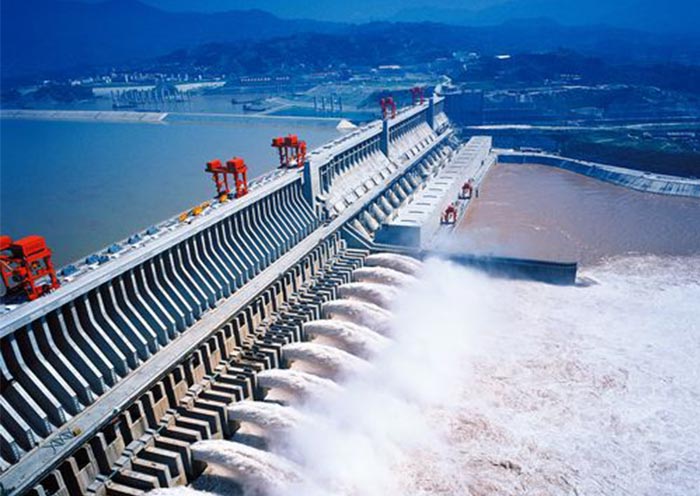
[383, 275]
[356, 339]
[394, 261]
[109, 381]
[360, 313]
[297, 383]
[378, 294]
[327, 360]
[258, 470]
[269, 417]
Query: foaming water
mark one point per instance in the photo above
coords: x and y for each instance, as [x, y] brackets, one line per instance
[324, 359]
[257, 471]
[270, 417]
[179, 491]
[297, 383]
[353, 338]
[359, 312]
[402, 263]
[379, 294]
[382, 275]
[513, 387]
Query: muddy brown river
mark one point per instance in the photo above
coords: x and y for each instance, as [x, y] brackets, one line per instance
[541, 212]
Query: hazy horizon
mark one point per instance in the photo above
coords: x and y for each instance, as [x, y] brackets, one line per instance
[649, 15]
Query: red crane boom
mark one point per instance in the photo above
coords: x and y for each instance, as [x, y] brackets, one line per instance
[26, 267]
[388, 104]
[239, 169]
[417, 94]
[292, 151]
[218, 172]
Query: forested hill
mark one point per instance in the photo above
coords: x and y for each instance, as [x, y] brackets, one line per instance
[44, 36]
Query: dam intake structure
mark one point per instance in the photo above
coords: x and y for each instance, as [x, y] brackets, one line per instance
[108, 381]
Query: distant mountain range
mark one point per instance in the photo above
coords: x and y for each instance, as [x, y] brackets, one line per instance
[49, 35]
[39, 37]
[677, 17]
[650, 15]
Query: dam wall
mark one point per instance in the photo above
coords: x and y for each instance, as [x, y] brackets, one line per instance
[107, 380]
[629, 178]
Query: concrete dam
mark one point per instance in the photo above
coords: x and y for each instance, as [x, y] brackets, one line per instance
[150, 347]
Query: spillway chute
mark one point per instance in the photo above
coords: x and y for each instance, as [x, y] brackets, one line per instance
[401, 263]
[300, 385]
[379, 294]
[179, 491]
[322, 359]
[353, 338]
[270, 417]
[382, 275]
[359, 312]
[256, 470]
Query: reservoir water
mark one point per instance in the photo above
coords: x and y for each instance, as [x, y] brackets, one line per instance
[536, 211]
[84, 185]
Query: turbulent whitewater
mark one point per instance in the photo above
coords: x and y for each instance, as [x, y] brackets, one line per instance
[517, 388]
[297, 383]
[360, 313]
[402, 263]
[382, 275]
[353, 338]
[270, 417]
[522, 388]
[324, 359]
[378, 294]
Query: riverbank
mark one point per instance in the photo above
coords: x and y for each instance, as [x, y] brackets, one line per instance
[160, 117]
[634, 179]
[82, 115]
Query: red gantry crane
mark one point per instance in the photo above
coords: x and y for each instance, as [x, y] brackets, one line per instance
[388, 105]
[218, 172]
[237, 168]
[292, 151]
[26, 268]
[417, 94]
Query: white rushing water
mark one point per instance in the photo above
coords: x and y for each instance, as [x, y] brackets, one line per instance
[180, 491]
[402, 263]
[353, 338]
[297, 383]
[382, 275]
[256, 470]
[325, 360]
[379, 294]
[497, 387]
[270, 417]
[360, 313]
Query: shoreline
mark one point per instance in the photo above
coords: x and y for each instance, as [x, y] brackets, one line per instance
[156, 117]
[83, 115]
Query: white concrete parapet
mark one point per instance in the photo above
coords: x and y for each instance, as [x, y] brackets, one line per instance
[417, 222]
